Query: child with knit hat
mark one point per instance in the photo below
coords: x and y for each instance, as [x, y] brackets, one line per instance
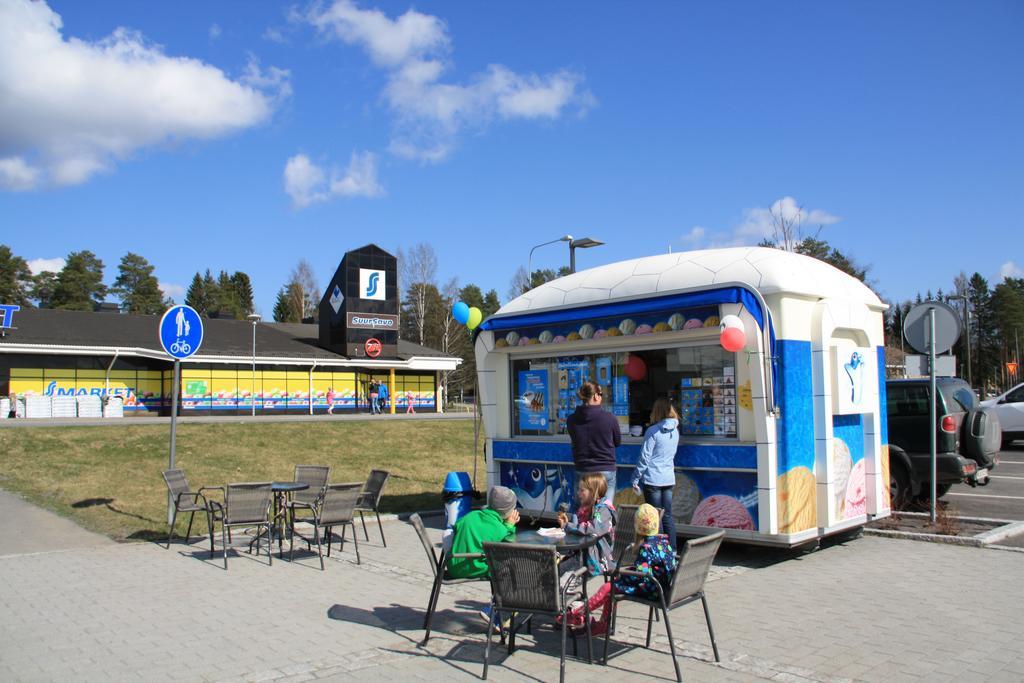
[494, 523]
[655, 558]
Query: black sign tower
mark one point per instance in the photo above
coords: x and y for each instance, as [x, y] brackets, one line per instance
[359, 309]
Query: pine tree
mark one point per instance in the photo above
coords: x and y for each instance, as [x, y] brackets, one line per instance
[80, 284]
[288, 308]
[196, 296]
[984, 344]
[212, 293]
[242, 288]
[43, 286]
[137, 287]
[491, 303]
[15, 278]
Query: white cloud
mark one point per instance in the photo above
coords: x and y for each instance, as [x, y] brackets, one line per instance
[695, 235]
[17, 175]
[429, 114]
[759, 223]
[42, 265]
[1009, 269]
[72, 108]
[175, 292]
[306, 183]
[215, 31]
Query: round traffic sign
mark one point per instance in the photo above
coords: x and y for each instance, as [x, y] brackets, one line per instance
[947, 326]
[181, 331]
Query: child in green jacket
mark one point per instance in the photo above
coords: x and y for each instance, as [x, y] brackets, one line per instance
[495, 523]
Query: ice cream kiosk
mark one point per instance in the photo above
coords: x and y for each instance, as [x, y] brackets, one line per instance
[774, 360]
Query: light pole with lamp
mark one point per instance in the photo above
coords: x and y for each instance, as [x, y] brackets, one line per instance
[529, 262]
[253, 318]
[581, 243]
[967, 329]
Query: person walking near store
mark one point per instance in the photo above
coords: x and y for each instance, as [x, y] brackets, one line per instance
[330, 400]
[655, 474]
[374, 396]
[384, 396]
[595, 435]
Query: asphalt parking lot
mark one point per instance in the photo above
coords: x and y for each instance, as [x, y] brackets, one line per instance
[1003, 498]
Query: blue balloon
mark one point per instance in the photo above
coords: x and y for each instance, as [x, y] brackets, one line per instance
[460, 312]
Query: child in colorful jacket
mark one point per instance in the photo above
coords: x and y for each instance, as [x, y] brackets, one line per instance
[595, 515]
[655, 558]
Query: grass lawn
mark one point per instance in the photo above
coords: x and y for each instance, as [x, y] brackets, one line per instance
[108, 479]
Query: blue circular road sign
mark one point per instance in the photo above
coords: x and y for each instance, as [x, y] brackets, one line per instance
[181, 331]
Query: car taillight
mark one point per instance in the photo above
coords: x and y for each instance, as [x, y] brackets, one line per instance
[948, 424]
[969, 468]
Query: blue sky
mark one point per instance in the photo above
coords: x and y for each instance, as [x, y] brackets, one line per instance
[247, 140]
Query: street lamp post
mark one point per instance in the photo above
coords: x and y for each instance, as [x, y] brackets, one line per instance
[967, 330]
[529, 262]
[582, 243]
[253, 318]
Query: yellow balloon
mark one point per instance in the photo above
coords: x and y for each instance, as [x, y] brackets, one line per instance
[475, 318]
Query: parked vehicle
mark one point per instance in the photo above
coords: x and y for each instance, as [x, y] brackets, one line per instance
[1010, 409]
[968, 438]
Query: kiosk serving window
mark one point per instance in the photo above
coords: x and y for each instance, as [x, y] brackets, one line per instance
[699, 379]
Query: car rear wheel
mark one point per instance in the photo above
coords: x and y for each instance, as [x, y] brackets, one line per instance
[899, 487]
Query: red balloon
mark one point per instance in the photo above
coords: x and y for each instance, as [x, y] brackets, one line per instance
[733, 339]
[636, 368]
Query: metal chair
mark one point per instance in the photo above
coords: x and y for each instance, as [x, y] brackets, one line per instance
[246, 505]
[314, 475]
[687, 585]
[185, 499]
[438, 565]
[336, 508]
[370, 500]
[525, 580]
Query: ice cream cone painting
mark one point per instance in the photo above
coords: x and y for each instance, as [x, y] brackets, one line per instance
[797, 500]
[685, 498]
[627, 496]
[724, 512]
[885, 503]
[842, 463]
[856, 492]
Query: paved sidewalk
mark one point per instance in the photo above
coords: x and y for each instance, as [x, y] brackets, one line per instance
[870, 609]
[27, 529]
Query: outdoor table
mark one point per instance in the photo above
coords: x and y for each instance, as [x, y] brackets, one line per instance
[569, 543]
[281, 490]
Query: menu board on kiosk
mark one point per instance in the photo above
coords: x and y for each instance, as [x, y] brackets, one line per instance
[533, 399]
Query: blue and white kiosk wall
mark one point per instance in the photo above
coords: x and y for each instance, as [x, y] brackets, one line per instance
[782, 442]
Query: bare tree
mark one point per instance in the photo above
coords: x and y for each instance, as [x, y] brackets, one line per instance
[302, 289]
[418, 269]
[520, 283]
[787, 224]
[452, 333]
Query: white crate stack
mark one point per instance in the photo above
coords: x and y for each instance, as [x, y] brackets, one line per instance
[64, 406]
[90, 406]
[114, 407]
[38, 406]
[5, 408]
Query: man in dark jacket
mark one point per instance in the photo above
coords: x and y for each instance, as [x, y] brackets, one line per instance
[595, 435]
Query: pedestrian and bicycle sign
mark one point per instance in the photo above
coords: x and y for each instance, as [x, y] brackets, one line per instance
[181, 331]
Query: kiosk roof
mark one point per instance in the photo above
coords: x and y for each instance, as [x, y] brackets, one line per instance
[769, 271]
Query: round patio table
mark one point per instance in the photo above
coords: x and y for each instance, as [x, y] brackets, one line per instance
[568, 543]
[281, 490]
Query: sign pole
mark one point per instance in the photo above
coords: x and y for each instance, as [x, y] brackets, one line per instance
[174, 431]
[931, 408]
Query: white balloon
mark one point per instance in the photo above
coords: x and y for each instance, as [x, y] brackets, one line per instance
[731, 321]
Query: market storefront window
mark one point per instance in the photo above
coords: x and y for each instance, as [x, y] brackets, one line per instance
[699, 379]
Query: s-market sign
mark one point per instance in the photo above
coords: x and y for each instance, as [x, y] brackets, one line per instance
[372, 284]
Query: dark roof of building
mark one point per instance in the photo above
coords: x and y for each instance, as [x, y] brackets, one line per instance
[221, 337]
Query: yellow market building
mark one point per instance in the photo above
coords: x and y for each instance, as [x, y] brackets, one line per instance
[60, 353]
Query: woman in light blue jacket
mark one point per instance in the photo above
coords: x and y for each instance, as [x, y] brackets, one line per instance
[655, 470]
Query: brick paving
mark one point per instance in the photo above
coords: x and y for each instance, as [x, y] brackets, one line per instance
[869, 609]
